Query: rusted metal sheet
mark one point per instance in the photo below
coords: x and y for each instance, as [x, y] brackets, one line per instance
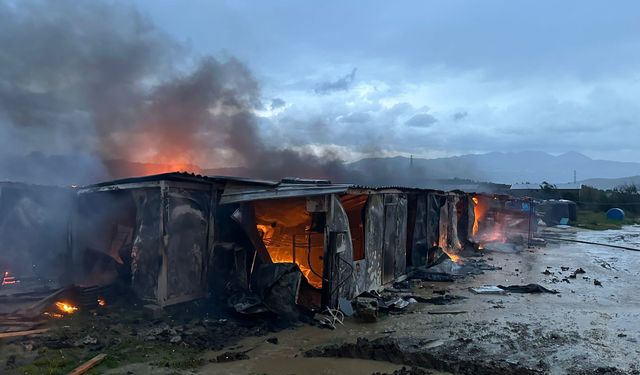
[146, 258]
[420, 242]
[238, 192]
[360, 276]
[444, 224]
[401, 247]
[390, 239]
[394, 254]
[434, 204]
[186, 229]
[374, 231]
[341, 272]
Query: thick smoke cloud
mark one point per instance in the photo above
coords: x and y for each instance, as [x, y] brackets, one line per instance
[103, 87]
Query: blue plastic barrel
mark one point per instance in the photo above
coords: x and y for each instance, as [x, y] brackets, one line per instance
[615, 214]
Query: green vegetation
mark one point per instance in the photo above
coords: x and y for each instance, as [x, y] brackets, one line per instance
[598, 221]
[593, 204]
[157, 354]
[626, 197]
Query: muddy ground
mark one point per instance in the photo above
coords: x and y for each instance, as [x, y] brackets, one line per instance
[584, 329]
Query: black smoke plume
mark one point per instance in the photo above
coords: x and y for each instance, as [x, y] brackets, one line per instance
[89, 89]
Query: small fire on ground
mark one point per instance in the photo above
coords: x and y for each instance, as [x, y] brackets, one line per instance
[64, 308]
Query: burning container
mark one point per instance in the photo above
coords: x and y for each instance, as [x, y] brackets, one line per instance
[152, 233]
[344, 239]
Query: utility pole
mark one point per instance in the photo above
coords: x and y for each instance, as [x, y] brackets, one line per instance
[411, 162]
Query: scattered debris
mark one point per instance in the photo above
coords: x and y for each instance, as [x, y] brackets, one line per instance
[23, 333]
[441, 300]
[420, 274]
[329, 318]
[443, 312]
[272, 340]
[366, 309]
[529, 288]
[487, 289]
[597, 282]
[345, 306]
[231, 356]
[576, 272]
[88, 365]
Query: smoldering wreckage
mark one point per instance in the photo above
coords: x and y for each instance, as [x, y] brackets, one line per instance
[297, 249]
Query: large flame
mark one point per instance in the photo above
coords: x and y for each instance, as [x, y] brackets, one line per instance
[267, 232]
[488, 225]
[476, 215]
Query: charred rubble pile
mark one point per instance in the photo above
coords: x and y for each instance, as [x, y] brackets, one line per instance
[291, 249]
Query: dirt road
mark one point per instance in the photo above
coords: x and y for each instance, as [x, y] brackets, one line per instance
[585, 328]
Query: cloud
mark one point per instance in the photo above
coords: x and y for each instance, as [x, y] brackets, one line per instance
[355, 118]
[277, 103]
[341, 84]
[457, 116]
[507, 84]
[421, 120]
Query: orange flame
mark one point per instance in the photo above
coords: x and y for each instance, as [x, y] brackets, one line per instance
[476, 215]
[102, 302]
[487, 228]
[66, 308]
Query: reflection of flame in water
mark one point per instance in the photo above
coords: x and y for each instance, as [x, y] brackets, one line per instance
[66, 307]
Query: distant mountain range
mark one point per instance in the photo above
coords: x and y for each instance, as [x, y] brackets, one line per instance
[459, 172]
[505, 168]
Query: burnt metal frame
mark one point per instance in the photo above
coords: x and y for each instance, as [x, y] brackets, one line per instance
[164, 185]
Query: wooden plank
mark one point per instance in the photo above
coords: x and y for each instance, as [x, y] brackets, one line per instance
[23, 333]
[37, 308]
[83, 368]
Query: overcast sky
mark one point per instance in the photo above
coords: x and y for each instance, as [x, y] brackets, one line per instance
[432, 78]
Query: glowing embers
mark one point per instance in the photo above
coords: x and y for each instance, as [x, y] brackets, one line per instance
[7, 279]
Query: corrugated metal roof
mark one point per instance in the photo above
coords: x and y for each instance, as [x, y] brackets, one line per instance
[240, 189]
[237, 192]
